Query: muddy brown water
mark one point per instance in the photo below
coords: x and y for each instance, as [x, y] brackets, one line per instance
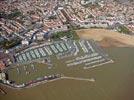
[113, 82]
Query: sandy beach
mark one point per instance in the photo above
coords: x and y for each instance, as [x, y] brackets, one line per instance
[107, 38]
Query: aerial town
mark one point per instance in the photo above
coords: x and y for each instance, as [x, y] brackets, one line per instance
[39, 40]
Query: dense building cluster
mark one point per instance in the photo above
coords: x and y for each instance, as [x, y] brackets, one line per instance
[25, 21]
[26, 18]
[26, 24]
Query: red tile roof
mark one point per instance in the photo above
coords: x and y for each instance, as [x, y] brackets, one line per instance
[2, 65]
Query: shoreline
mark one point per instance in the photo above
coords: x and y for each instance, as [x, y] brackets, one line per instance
[107, 38]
